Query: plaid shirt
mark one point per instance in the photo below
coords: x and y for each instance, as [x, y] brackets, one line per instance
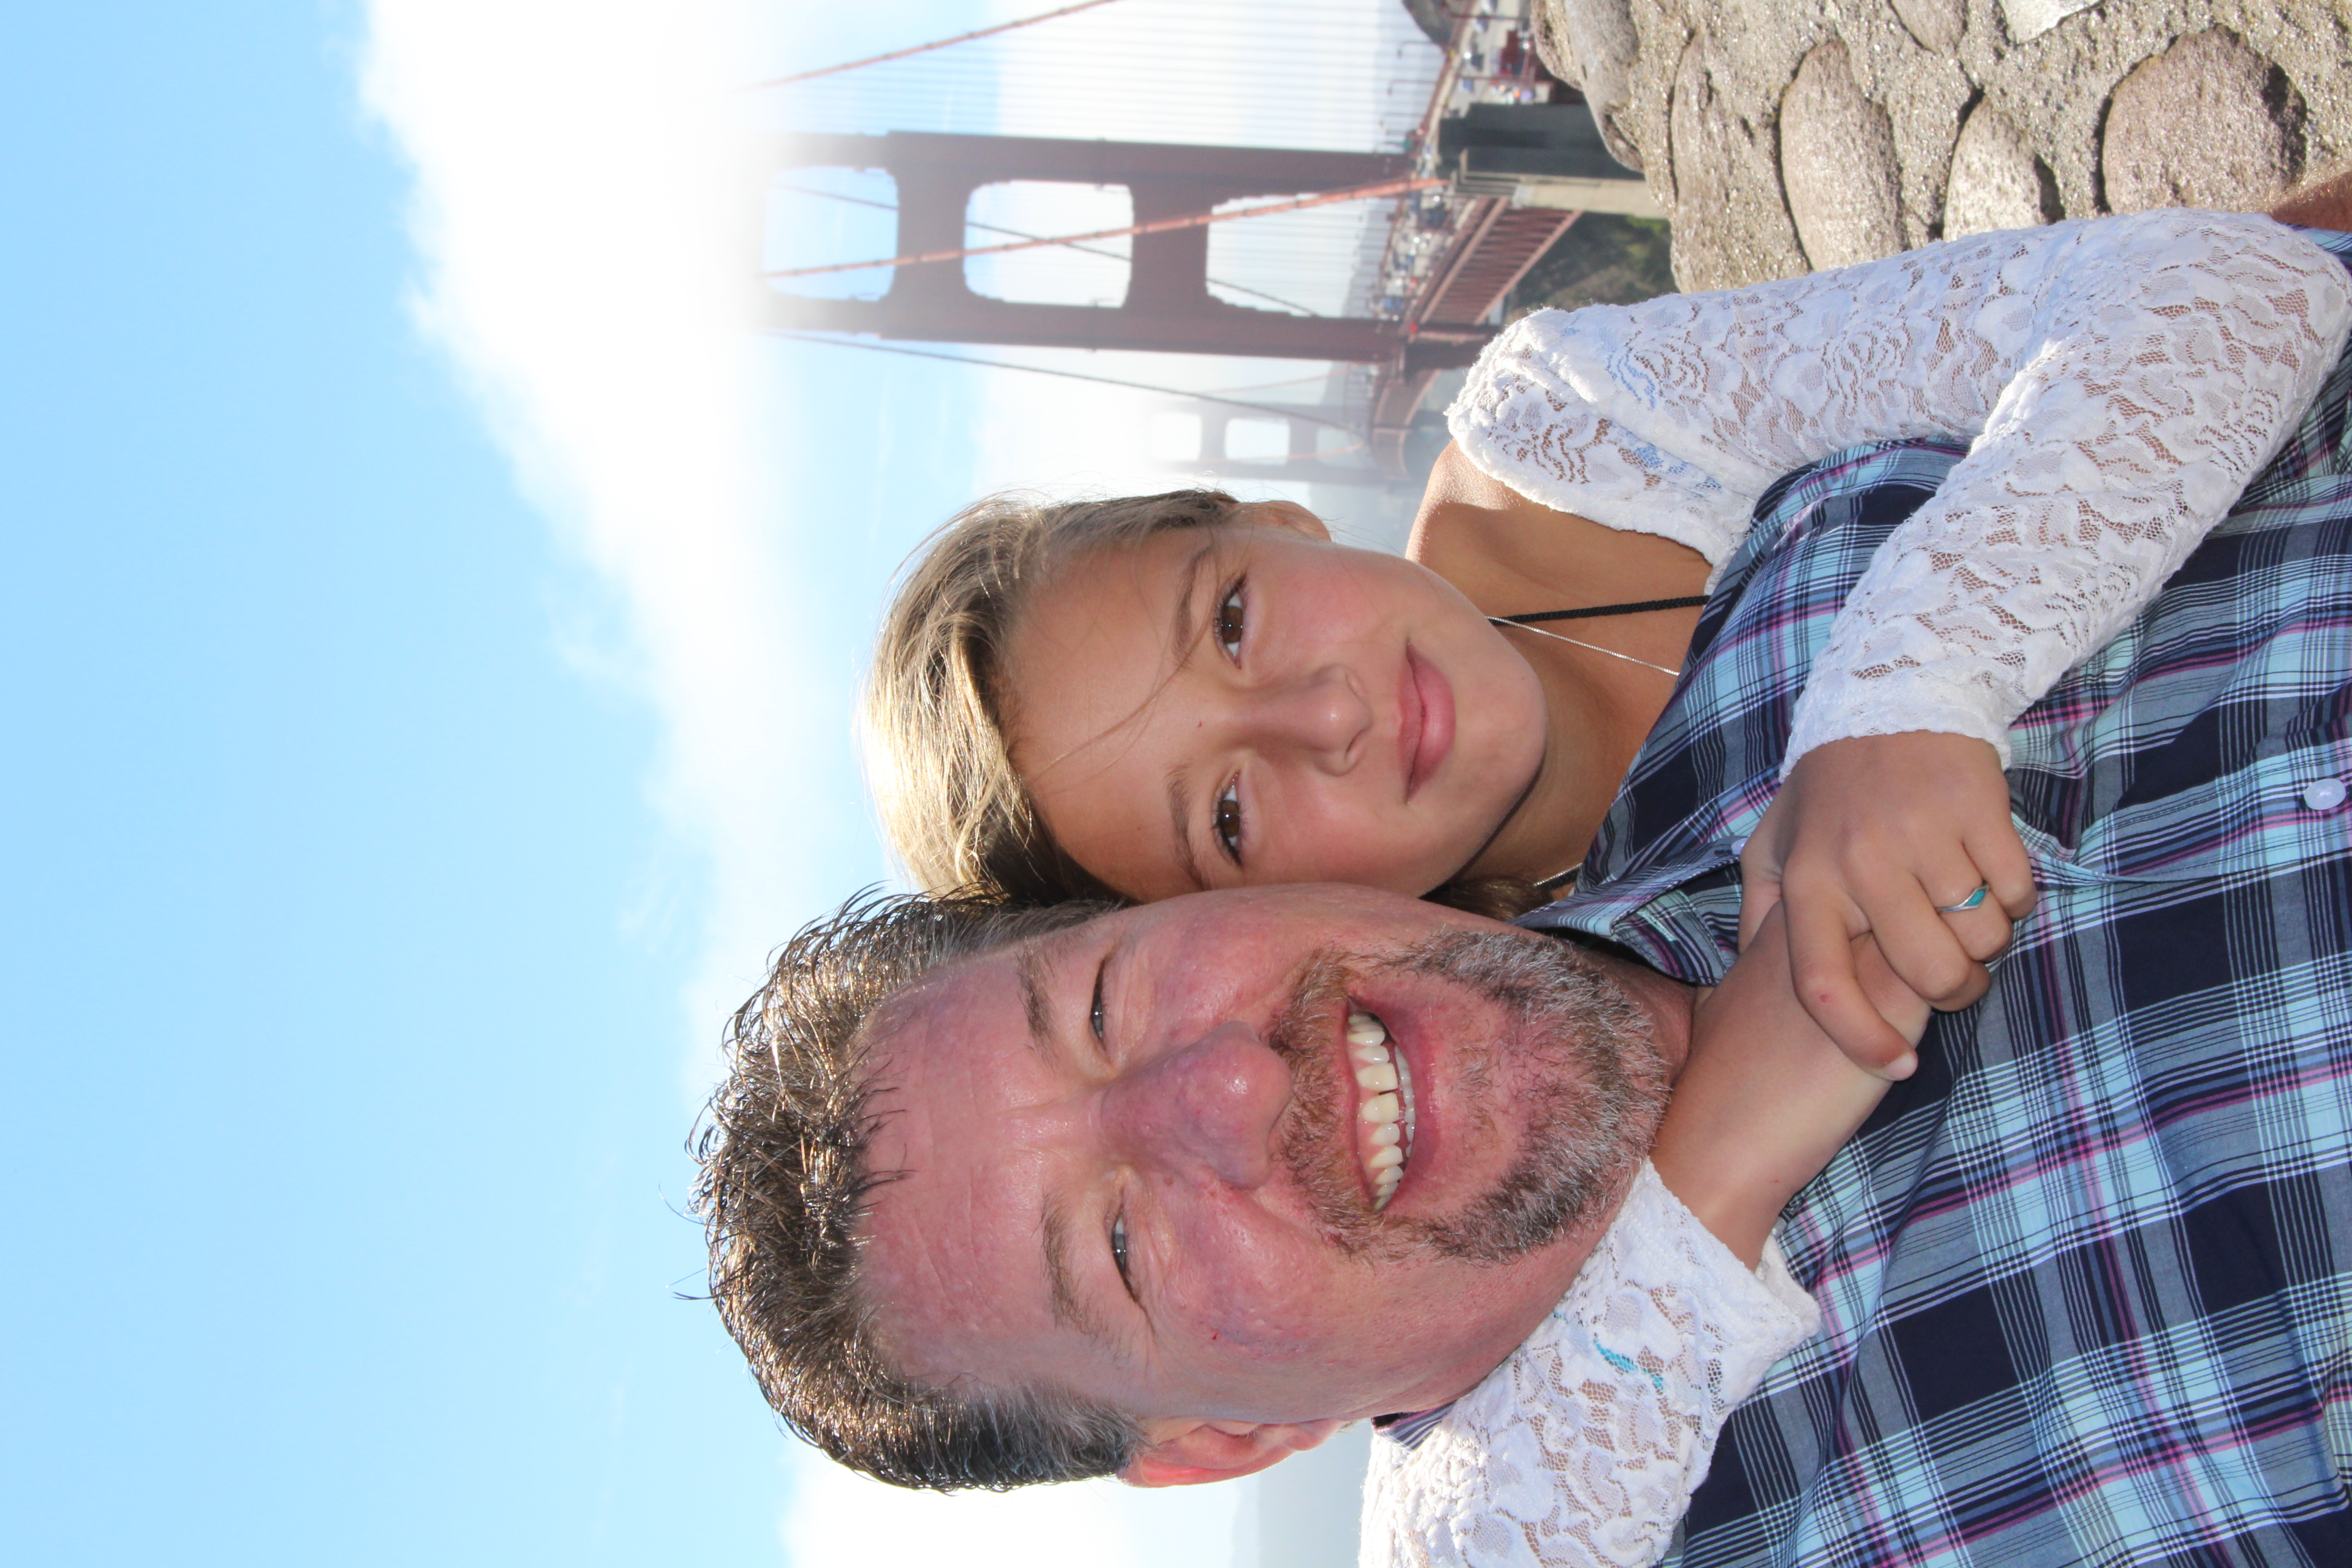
[2087, 1276]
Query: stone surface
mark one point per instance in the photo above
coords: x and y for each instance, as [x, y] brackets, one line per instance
[1996, 181]
[1699, 105]
[2029, 19]
[1592, 44]
[1436, 23]
[1935, 24]
[1730, 223]
[2207, 124]
[1837, 164]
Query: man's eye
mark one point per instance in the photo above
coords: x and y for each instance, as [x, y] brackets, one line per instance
[1119, 1252]
[1226, 818]
[1095, 1009]
[1232, 619]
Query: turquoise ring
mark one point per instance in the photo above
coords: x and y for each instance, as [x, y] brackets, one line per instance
[1973, 901]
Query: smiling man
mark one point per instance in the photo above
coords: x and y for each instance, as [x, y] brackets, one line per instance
[1000, 1197]
[1173, 1191]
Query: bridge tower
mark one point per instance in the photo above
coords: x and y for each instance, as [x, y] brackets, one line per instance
[1167, 305]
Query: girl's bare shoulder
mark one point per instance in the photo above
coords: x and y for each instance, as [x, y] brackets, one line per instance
[1497, 545]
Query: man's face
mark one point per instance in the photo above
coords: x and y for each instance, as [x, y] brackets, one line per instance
[1140, 1158]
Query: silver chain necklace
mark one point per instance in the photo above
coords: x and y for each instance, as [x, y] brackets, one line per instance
[1589, 648]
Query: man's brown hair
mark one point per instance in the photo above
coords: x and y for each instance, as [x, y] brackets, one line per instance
[783, 1191]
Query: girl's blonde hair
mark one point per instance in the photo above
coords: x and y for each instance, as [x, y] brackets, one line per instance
[952, 807]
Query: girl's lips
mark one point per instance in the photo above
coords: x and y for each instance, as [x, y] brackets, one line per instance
[1426, 735]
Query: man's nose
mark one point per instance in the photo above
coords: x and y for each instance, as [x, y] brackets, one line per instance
[1321, 716]
[1211, 1104]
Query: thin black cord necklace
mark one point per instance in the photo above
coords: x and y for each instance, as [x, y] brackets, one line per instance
[1632, 607]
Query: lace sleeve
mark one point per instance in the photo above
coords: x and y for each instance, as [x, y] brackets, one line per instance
[1583, 1448]
[2121, 381]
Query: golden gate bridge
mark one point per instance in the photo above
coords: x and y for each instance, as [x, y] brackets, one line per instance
[1391, 257]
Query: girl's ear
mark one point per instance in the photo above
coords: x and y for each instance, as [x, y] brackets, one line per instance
[1286, 514]
[1187, 1453]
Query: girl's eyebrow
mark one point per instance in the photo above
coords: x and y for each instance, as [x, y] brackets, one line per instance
[1182, 628]
[1183, 631]
[1179, 818]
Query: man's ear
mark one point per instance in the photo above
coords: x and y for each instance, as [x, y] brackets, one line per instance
[1186, 1453]
[1286, 514]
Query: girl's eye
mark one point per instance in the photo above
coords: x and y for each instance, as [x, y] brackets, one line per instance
[1232, 619]
[1095, 1009]
[1118, 1252]
[1226, 818]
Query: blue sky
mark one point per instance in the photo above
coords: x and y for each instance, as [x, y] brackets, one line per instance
[429, 625]
[343, 949]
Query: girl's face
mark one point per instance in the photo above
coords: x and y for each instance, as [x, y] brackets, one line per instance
[1254, 704]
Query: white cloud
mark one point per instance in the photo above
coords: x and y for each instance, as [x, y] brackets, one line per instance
[846, 1519]
[583, 215]
[585, 220]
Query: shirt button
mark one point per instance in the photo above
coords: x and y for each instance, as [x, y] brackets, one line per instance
[2326, 794]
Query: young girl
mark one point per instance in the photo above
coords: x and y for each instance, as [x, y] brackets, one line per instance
[1169, 693]
[1159, 694]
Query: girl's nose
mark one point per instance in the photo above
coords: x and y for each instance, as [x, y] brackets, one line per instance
[1322, 716]
[1210, 1105]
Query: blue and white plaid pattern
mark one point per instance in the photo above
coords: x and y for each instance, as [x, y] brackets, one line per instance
[2087, 1276]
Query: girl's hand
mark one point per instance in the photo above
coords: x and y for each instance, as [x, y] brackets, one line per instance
[1881, 834]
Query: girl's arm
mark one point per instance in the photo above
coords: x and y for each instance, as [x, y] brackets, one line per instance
[2121, 380]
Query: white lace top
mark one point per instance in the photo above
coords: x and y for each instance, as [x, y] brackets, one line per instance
[1583, 1448]
[2120, 379]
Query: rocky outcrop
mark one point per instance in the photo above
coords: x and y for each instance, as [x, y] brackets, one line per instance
[1837, 163]
[2200, 125]
[1436, 22]
[1731, 222]
[1996, 179]
[1783, 135]
[1595, 39]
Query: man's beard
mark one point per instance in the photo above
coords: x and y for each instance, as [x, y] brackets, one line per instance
[1589, 1079]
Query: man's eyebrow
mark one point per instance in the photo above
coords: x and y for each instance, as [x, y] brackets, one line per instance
[1029, 970]
[1053, 1232]
[1179, 819]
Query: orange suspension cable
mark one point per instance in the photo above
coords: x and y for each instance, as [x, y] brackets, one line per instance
[1276, 410]
[923, 48]
[1081, 250]
[1157, 226]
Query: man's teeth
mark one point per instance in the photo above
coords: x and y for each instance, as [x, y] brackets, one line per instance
[1386, 1107]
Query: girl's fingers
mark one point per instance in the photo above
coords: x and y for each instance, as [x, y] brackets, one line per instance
[1897, 1003]
[1821, 969]
[1760, 887]
[1981, 933]
[2002, 860]
[1923, 948]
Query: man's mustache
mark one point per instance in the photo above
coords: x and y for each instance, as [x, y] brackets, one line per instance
[1587, 1124]
[1316, 1142]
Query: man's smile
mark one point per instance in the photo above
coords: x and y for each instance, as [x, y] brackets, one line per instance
[1384, 1108]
